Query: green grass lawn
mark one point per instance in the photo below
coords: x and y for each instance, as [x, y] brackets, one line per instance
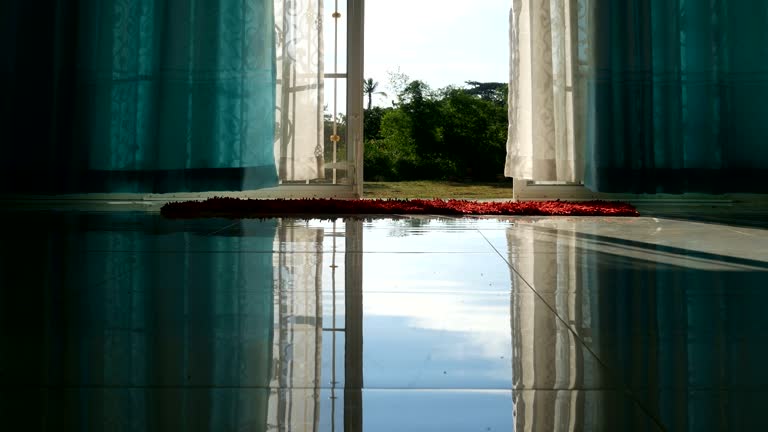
[438, 189]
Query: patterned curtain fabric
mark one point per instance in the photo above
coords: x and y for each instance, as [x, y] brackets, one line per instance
[640, 96]
[678, 96]
[172, 340]
[544, 355]
[138, 96]
[295, 400]
[547, 91]
[299, 140]
[664, 320]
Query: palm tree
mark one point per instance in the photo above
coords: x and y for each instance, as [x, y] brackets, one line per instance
[369, 88]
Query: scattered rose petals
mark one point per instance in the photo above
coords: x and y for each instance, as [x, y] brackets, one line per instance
[257, 208]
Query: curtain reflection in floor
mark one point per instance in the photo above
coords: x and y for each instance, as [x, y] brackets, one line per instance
[546, 363]
[298, 327]
[131, 322]
[677, 329]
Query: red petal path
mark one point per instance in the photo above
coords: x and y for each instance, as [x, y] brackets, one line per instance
[256, 208]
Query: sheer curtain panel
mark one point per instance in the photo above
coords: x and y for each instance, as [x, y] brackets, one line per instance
[547, 90]
[299, 139]
[640, 96]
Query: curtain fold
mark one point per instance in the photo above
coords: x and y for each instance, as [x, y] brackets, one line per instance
[299, 140]
[176, 335]
[548, 50]
[677, 97]
[640, 96]
[298, 328]
[673, 325]
[134, 322]
[543, 352]
[138, 96]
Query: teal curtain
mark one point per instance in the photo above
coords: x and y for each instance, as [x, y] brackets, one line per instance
[681, 339]
[137, 95]
[677, 96]
[131, 322]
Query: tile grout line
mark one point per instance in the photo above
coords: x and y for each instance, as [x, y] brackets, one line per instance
[622, 385]
[374, 389]
[212, 233]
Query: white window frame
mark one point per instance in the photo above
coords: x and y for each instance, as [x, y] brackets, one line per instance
[355, 73]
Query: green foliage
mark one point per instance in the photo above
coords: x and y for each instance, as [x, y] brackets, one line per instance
[372, 122]
[492, 91]
[451, 134]
[393, 156]
[419, 103]
[475, 133]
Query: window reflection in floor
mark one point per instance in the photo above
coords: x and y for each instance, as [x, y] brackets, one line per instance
[129, 321]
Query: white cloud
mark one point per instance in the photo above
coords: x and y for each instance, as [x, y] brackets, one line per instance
[484, 320]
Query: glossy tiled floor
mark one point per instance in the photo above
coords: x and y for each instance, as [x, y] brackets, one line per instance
[125, 321]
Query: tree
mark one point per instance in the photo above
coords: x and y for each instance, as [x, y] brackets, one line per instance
[397, 82]
[491, 91]
[448, 134]
[372, 122]
[369, 88]
[474, 133]
[393, 157]
[419, 103]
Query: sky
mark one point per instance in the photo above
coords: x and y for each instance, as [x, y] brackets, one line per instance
[441, 42]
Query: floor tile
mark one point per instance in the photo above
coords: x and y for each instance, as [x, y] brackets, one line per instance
[175, 408]
[437, 410]
[188, 408]
[400, 236]
[581, 410]
[473, 342]
[128, 321]
[435, 273]
[706, 410]
[457, 342]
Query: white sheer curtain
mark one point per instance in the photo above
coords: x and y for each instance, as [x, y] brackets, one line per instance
[294, 400]
[299, 134]
[545, 355]
[547, 89]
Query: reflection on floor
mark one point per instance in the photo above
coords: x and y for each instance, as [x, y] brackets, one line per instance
[126, 321]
